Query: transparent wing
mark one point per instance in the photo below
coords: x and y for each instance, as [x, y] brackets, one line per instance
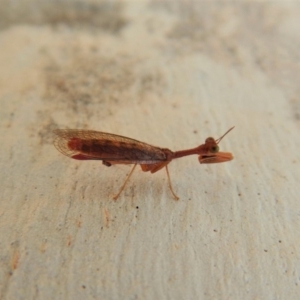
[89, 144]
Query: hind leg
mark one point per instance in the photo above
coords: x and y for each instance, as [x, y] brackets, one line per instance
[124, 184]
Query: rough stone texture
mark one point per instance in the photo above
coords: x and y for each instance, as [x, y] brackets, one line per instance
[169, 74]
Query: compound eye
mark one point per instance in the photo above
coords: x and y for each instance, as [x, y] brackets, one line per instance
[214, 149]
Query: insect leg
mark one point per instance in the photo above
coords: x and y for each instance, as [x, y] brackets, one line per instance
[124, 184]
[170, 185]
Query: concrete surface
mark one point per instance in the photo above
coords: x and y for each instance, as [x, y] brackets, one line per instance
[169, 74]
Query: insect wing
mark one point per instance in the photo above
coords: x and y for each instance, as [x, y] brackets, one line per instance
[95, 145]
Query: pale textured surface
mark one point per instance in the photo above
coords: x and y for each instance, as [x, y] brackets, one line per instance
[169, 75]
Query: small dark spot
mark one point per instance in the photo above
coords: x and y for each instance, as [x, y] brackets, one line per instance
[137, 207]
[215, 230]
[266, 250]
[195, 131]
[297, 116]
[258, 194]
[83, 286]
[106, 163]
[279, 241]
[239, 194]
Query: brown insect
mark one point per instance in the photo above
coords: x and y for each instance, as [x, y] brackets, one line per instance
[116, 149]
